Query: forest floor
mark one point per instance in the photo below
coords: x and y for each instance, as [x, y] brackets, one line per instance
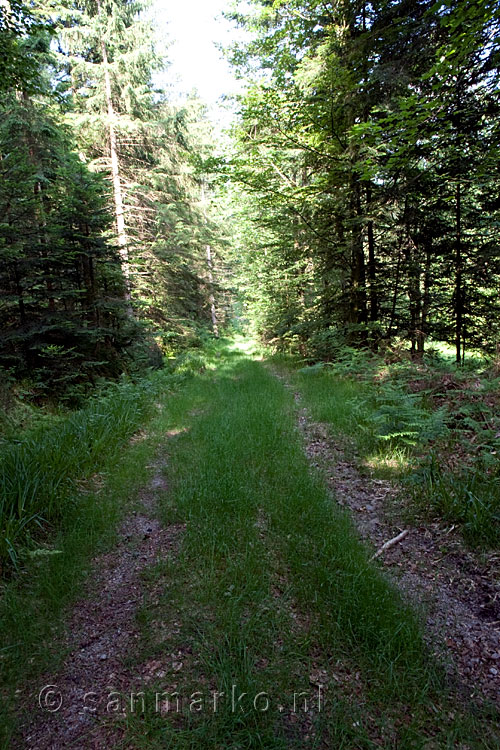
[237, 605]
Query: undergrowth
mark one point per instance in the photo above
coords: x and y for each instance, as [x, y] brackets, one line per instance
[93, 493]
[272, 587]
[431, 425]
[42, 467]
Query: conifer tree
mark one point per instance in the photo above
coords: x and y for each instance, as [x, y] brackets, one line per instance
[60, 281]
[127, 131]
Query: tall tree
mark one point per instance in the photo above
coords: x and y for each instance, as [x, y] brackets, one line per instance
[108, 51]
[60, 279]
[373, 102]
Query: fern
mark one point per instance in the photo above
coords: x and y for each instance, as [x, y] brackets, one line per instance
[401, 418]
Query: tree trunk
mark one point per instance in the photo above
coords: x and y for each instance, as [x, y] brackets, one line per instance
[459, 301]
[357, 300]
[413, 273]
[395, 296]
[372, 271]
[115, 177]
[426, 299]
[211, 298]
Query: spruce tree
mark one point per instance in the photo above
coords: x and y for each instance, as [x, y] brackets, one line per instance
[129, 132]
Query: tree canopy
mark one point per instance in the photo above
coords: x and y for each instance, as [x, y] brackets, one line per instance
[367, 148]
[103, 236]
[359, 202]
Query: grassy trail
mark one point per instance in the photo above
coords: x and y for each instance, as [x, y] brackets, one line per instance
[269, 627]
[274, 599]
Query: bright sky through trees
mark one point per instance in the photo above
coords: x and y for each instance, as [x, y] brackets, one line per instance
[192, 28]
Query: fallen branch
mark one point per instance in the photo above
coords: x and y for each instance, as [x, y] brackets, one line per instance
[390, 543]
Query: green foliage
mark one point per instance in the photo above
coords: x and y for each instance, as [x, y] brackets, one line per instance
[260, 551]
[383, 417]
[433, 426]
[46, 456]
[272, 584]
[156, 147]
[67, 270]
[401, 418]
[34, 604]
[61, 312]
[367, 152]
[22, 34]
[470, 498]
[40, 470]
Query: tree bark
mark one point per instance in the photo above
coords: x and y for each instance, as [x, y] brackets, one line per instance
[211, 299]
[459, 301]
[116, 181]
[426, 299]
[394, 297]
[358, 313]
[414, 294]
[372, 274]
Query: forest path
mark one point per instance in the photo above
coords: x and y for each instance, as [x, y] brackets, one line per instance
[240, 608]
[456, 587]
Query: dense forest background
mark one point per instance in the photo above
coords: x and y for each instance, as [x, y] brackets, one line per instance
[358, 202]
[368, 157]
[105, 234]
[250, 378]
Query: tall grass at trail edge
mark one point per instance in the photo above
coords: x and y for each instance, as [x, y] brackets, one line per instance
[41, 469]
[416, 437]
[33, 602]
[269, 586]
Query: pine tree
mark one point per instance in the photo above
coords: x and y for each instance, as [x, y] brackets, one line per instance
[108, 53]
[60, 279]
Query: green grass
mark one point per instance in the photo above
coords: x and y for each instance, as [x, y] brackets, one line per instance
[40, 468]
[34, 602]
[382, 422]
[38, 472]
[272, 584]
[416, 437]
[82, 473]
[469, 498]
[270, 588]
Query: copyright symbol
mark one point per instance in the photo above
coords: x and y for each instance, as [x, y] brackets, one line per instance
[50, 699]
